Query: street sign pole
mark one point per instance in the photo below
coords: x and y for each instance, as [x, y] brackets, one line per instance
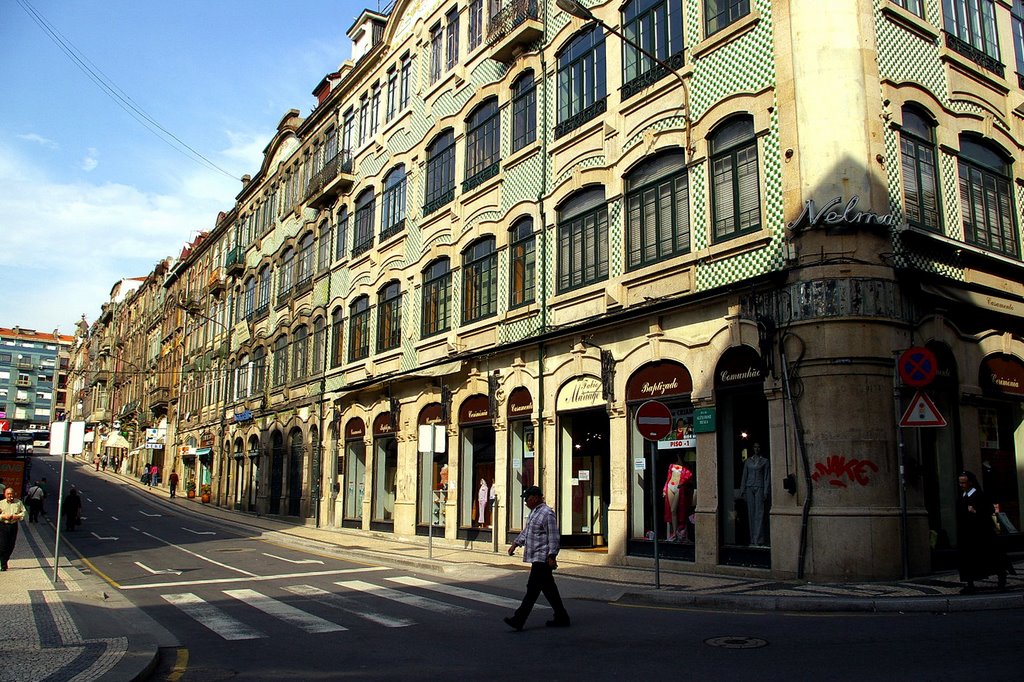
[654, 421]
[653, 446]
[65, 440]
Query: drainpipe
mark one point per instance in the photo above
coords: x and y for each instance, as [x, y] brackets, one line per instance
[542, 280]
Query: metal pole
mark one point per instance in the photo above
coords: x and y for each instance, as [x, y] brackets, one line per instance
[653, 447]
[60, 495]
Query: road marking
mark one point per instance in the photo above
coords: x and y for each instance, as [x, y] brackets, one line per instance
[212, 617]
[405, 597]
[199, 532]
[338, 601]
[156, 571]
[286, 612]
[252, 578]
[200, 556]
[115, 518]
[145, 513]
[99, 537]
[294, 561]
[456, 591]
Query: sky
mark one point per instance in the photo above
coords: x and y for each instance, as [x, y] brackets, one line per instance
[88, 194]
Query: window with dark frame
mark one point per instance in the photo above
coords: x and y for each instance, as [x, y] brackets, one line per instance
[440, 172]
[483, 143]
[286, 274]
[437, 289]
[359, 329]
[405, 85]
[919, 167]
[476, 23]
[392, 220]
[1017, 25]
[913, 6]
[362, 238]
[583, 239]
[452, 39]
[720, 13]
[523, 266]
[259, 369]
[300, 352]
[392, 103]
[479, 280]
[319, 347]
[337, 338]
[389, 317]
[341, 237]
[986, 202]
[325, 246]
[971, 31]
[657, 27]
[657, 209]
[436, 52]
[524, 111]
[735, 196]
[582, 81]
[263, 303]
[281, 360]
[305, 265]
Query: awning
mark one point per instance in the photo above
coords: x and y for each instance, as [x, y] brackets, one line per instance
[204, 452]
[987, 301]
[116, 440]
[89, 437]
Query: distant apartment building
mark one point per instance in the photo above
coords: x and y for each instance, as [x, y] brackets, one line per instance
[507, 226]
[33, 378]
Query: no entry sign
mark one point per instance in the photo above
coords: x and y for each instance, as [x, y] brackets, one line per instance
[653, 420]
[917, 366]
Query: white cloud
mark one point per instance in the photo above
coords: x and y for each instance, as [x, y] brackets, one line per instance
[90, 161]
[40, 140]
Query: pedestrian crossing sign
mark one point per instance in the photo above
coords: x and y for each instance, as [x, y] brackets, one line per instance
[922, 412]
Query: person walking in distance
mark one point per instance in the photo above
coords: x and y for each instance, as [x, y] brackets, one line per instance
[540, 537]
[172, 480]
[12, 512]
[72, 509]
[34, 501]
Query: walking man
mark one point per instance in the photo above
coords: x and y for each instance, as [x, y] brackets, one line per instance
[34, 500]
[173, 481]
[540, 536]
[12, 511]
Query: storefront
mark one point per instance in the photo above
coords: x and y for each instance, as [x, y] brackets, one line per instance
[432, 479]
[1001, 435]
[296, 459]
[385, 474]
[476, 468]
[744, 470]
[355, 473]
[276, 473]
[584, 469]
[253, 481]
[663, 475]
[522, 461]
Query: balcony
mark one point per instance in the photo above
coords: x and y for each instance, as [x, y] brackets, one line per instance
[513, 29]
[23, 382]
[234, 264]
[215, 284]
[330, 181]
[976, 55]
[24, 364]
[159, 396]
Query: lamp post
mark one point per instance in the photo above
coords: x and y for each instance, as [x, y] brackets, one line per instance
[575, 9]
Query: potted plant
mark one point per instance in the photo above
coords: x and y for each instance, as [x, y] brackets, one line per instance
[204, 492]
[190, 489]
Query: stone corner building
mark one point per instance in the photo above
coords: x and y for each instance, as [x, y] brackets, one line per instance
[502, 229]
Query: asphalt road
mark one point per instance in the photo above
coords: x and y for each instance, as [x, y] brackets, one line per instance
[247, 609]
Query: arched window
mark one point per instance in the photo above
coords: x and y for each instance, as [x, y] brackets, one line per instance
[440, 172]
[583, 239]
[735, 197]
[389, 317]
[319, 344]
[524, 110]
[986, 205]
[281, 360]
[483, 143]
[286, 275]
[657, 209]
[919, 167]
[300, 352]
[359, 329]
[479, 280]
[304, 268]
[249, 300]
[337, 338]
[437, 293]
[392, 219]
[363, 237]
[523, 262]
[263, 297]
[582, 81]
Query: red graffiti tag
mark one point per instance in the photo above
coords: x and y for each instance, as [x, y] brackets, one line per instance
[836, 467]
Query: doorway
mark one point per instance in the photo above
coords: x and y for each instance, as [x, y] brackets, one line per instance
[584, 478]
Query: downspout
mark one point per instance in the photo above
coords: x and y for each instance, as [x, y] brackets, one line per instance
[542, 280]
[802, 448]
[318, 454]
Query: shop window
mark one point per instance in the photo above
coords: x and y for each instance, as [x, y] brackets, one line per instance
[720, 13]
[582, 81]
[522, 470]
[296, 457]
[583, 240]
[479, 280]
[477, 480]
[735, 197]
[657, 210]
[920, 177]
[355, 470]
[524, 111]
[432, 493]
[385, 456]
[523, 264]
[986, 206]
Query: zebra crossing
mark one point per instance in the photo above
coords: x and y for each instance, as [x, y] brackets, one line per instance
[366, 601]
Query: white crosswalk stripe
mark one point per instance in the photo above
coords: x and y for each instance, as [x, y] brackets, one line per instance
[405, 598]
[212, 617]
[345, 604]
[464, 593]
[286, 612]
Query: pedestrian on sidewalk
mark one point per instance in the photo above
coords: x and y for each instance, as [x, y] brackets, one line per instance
[540, 536]
[173, 481]
[979, 552]
[12, 512]
[46, 491]
[154, 476]
[72, 509]
[34, 501]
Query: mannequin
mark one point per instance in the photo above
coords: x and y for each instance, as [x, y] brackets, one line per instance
[444, 477]
[675, 499]
[754, 488]
[482, 496]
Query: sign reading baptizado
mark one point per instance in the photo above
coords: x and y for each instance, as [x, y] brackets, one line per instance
[580, 393]
[833, 215]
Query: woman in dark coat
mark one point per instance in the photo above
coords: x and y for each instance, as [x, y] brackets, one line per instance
[980, 554]
[72, 509]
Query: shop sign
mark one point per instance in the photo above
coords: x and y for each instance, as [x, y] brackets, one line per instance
[476, 408]
[659, 380]
[739, 366]
[520, 403]
[704, 420]
[1002, 374]
[206, 440]
[382, 425]
[355, 428]
[243, 416]
[581, 393]
[811, 218]
[639, 464]
[431, 414]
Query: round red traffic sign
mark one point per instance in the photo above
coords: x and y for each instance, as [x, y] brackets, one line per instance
[653, 420]
[918, 366]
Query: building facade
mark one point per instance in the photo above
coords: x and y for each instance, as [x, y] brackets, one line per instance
[503, 229]
[33, 379]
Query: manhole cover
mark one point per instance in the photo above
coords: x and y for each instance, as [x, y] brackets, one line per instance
[736, 642]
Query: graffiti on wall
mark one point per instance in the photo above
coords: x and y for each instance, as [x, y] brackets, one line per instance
[837, 468]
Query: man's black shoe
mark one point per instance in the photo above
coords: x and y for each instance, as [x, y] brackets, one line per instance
[557, 624]
[514, 624]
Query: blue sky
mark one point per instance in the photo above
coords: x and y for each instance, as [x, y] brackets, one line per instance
[88, 195]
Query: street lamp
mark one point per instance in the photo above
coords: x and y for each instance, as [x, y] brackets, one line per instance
[575, 9]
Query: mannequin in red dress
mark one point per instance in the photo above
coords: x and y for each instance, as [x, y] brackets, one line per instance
[675, 499]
